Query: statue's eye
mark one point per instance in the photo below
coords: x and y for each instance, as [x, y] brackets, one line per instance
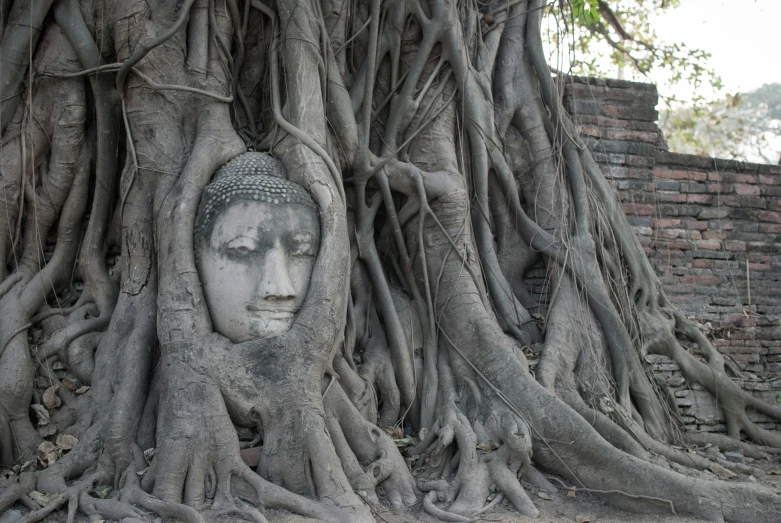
[239, 251]
[303, 250]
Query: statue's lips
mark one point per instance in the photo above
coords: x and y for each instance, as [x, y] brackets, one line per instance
[277, 313]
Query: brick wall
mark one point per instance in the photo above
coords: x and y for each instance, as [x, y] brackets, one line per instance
[711, 228]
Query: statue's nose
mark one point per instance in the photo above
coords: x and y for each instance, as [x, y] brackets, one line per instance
[275, 282]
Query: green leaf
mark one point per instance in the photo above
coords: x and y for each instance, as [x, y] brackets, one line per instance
[103, 491]
[585, 11]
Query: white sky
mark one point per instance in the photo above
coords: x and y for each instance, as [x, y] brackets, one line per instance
[743, 37]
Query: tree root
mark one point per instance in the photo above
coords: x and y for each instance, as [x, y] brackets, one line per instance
[504, 453]
[621, 492]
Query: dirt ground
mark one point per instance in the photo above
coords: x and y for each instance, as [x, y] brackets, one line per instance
[579, 507]
[559, 510]
[562, 508]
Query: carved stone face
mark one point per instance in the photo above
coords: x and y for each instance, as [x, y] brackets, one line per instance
[255, 267]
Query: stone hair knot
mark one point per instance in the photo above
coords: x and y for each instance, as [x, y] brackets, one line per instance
[251, 176]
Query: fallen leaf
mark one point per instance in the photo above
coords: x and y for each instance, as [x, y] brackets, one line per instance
[141, 472]
[70, 384]
[47, 430]
[394, 432]
[148, 453]
[51, 399]
[48, 453]
[403, 443]
[103, 491]
[41, 413]
[488, 446]
[583, 519]
[721, 472]
[543, 495]
[66, 441]
[82, 389]
[571, 494]
[41, 497]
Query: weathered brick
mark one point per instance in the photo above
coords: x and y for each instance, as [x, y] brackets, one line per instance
[700, 198]
[697, 225]
[714, 235]
[746, 190]
[638, 208]
[665, 185]
[713, 212]
[666, 222]
[670, 196]
[589, 130]
[719, 188]
[621, 134]
[770, 216]
[735, 245]
[671, 174]
[701, 279]
[712, 245]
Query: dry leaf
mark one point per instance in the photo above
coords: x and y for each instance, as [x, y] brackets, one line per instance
[721, 472]
[394, 432]
[82, 389]
[41, 497]
[70, 384]
[47, 453]
[583, 519]
[42, 413]
[571, 494]
[51, 399]
[66, 441]
[47, 430]
[403, 443]
[543, 495]
[488, 446]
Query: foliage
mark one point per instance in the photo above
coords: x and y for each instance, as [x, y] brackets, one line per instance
[602, 36]
[746, 126]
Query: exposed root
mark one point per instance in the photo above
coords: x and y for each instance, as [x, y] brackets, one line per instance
[490, 452]
[621, 492]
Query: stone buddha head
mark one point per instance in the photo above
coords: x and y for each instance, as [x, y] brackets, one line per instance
[257, 235]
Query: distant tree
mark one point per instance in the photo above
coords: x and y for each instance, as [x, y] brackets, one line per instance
[746, 126]
[606, 36]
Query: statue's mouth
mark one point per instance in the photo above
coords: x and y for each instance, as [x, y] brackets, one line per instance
[280, 313]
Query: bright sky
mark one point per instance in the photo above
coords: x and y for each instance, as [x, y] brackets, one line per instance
[743, 37]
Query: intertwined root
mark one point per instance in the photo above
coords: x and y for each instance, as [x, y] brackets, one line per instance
[474, 456]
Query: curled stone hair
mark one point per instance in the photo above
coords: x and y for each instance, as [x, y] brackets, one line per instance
[250, 176]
